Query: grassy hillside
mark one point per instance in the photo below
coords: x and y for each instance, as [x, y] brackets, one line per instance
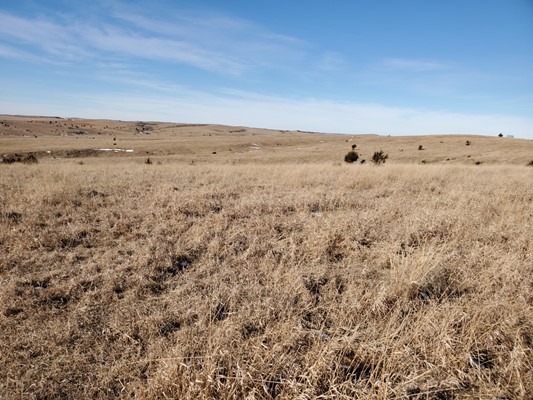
[271, 271]
[54, 139]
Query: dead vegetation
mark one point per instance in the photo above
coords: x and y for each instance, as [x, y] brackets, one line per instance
[51, 138]
[121, 280]
[268, 270]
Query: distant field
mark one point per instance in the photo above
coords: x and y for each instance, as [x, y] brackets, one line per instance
[271, 269]
[65, 138]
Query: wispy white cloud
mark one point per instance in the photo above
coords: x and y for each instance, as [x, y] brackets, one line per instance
[120, 43]
[184, 25]
[414, 65]
[58, 41]
[140, 82]
[11, 52]
[332, 62]
[216, 43]
[229, 35]
[7, 51]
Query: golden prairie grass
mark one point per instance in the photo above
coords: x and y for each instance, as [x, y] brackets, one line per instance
[207, 144]
[259, 281]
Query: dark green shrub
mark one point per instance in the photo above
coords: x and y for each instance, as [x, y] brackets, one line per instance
[379, 157]
[420, 147]
[351, 157]
[468, 143]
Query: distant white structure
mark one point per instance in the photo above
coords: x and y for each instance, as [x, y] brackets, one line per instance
[510, 136]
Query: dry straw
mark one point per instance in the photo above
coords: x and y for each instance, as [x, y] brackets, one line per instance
[120, 279]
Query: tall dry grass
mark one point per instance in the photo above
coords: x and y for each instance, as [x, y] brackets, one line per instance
[125, 280]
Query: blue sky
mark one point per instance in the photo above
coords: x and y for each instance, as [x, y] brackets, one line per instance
[383, 66]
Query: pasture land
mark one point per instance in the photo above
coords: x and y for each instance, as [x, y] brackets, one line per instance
[270, 269]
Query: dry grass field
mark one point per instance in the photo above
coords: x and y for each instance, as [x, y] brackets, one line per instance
[271, 269]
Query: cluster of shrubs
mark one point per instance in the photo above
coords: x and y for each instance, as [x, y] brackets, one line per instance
[378, 157]
[29, 158]
[150, 162]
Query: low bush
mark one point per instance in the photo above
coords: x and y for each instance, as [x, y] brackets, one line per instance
[379, 157]
[28, 158]
[351, 157]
